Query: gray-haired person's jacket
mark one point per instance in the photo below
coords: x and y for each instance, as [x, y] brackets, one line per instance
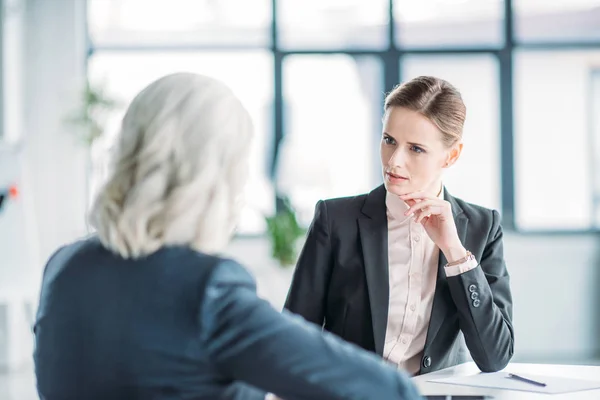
[178, 324]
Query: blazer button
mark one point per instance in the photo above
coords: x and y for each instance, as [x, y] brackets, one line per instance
[472, 288]
[474, 295]
[476, 303]
[426, 362]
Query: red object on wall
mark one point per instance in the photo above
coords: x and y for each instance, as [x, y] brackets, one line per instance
[13, 191]
[10, 192]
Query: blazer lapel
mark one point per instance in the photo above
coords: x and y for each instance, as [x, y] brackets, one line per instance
[374, 242]
[442, 298]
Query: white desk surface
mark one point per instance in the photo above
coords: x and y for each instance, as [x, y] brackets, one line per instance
[585, 372]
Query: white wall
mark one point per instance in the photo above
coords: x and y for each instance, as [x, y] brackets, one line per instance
[555, 281]
[54, 69]
[42, 159]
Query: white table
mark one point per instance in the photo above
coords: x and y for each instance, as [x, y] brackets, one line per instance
[591, 373]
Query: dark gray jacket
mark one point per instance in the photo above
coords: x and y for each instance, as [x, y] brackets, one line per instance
[178, 324]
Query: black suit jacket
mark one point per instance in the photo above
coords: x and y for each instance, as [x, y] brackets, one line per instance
[341, 282]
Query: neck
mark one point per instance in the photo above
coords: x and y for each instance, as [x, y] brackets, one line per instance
[436, 188]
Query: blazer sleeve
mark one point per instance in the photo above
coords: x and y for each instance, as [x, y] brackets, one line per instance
[249, 341]
[308, 291]
[484, 302]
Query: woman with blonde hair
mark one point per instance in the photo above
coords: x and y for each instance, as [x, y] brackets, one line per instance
[146, 309]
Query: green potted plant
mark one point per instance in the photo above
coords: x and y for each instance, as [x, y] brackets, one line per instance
[91, 113]
[284, 231]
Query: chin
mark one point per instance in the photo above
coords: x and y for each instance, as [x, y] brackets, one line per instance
[398, 190]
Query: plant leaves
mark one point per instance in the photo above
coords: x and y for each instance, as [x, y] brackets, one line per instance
[284, 232]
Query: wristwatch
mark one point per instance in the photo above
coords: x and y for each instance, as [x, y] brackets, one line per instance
[466, 258]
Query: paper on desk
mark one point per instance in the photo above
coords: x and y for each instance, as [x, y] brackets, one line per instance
[499, 380]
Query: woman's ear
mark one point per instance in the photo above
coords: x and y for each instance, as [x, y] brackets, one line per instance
[453, 154]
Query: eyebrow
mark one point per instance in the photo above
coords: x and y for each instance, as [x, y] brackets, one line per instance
[418, 145]
[411, 143]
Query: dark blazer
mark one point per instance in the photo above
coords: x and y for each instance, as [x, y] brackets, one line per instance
[341, 282]
[178, 324]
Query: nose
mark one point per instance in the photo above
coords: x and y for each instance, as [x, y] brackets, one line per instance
[398, 158]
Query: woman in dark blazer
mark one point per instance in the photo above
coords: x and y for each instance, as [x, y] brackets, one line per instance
[408, 271]
[146, 309]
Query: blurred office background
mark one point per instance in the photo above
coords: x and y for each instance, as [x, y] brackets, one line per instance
[313, 74]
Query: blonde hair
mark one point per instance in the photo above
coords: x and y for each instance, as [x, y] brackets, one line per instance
[178, 171]
[435, 99]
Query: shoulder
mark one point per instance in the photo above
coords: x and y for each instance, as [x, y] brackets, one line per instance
[68, 254]
[343, 207]
[475, 211]
[228, 272]
[483, 218]
[346, 201]
[227, 293]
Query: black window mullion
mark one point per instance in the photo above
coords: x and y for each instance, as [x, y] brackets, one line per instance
[278, 103]
[507, 170]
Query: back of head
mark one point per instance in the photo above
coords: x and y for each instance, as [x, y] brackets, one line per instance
[434, 98]
[178, 170]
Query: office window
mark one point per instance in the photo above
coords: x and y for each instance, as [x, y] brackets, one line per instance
[553, 147]
[476, 175]
[179, 22]
[439, 23]
[595, 120]
[557, 20]
[339, 24]
[449, 28]
[333, 109]
[126, 73]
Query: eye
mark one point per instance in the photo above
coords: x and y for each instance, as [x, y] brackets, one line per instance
[416, 149]
[389, 140]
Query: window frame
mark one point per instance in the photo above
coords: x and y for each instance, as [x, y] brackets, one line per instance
[390, 59]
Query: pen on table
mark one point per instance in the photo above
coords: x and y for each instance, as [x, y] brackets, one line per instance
[520, 378]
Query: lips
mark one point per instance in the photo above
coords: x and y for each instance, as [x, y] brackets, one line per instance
[396, 176]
